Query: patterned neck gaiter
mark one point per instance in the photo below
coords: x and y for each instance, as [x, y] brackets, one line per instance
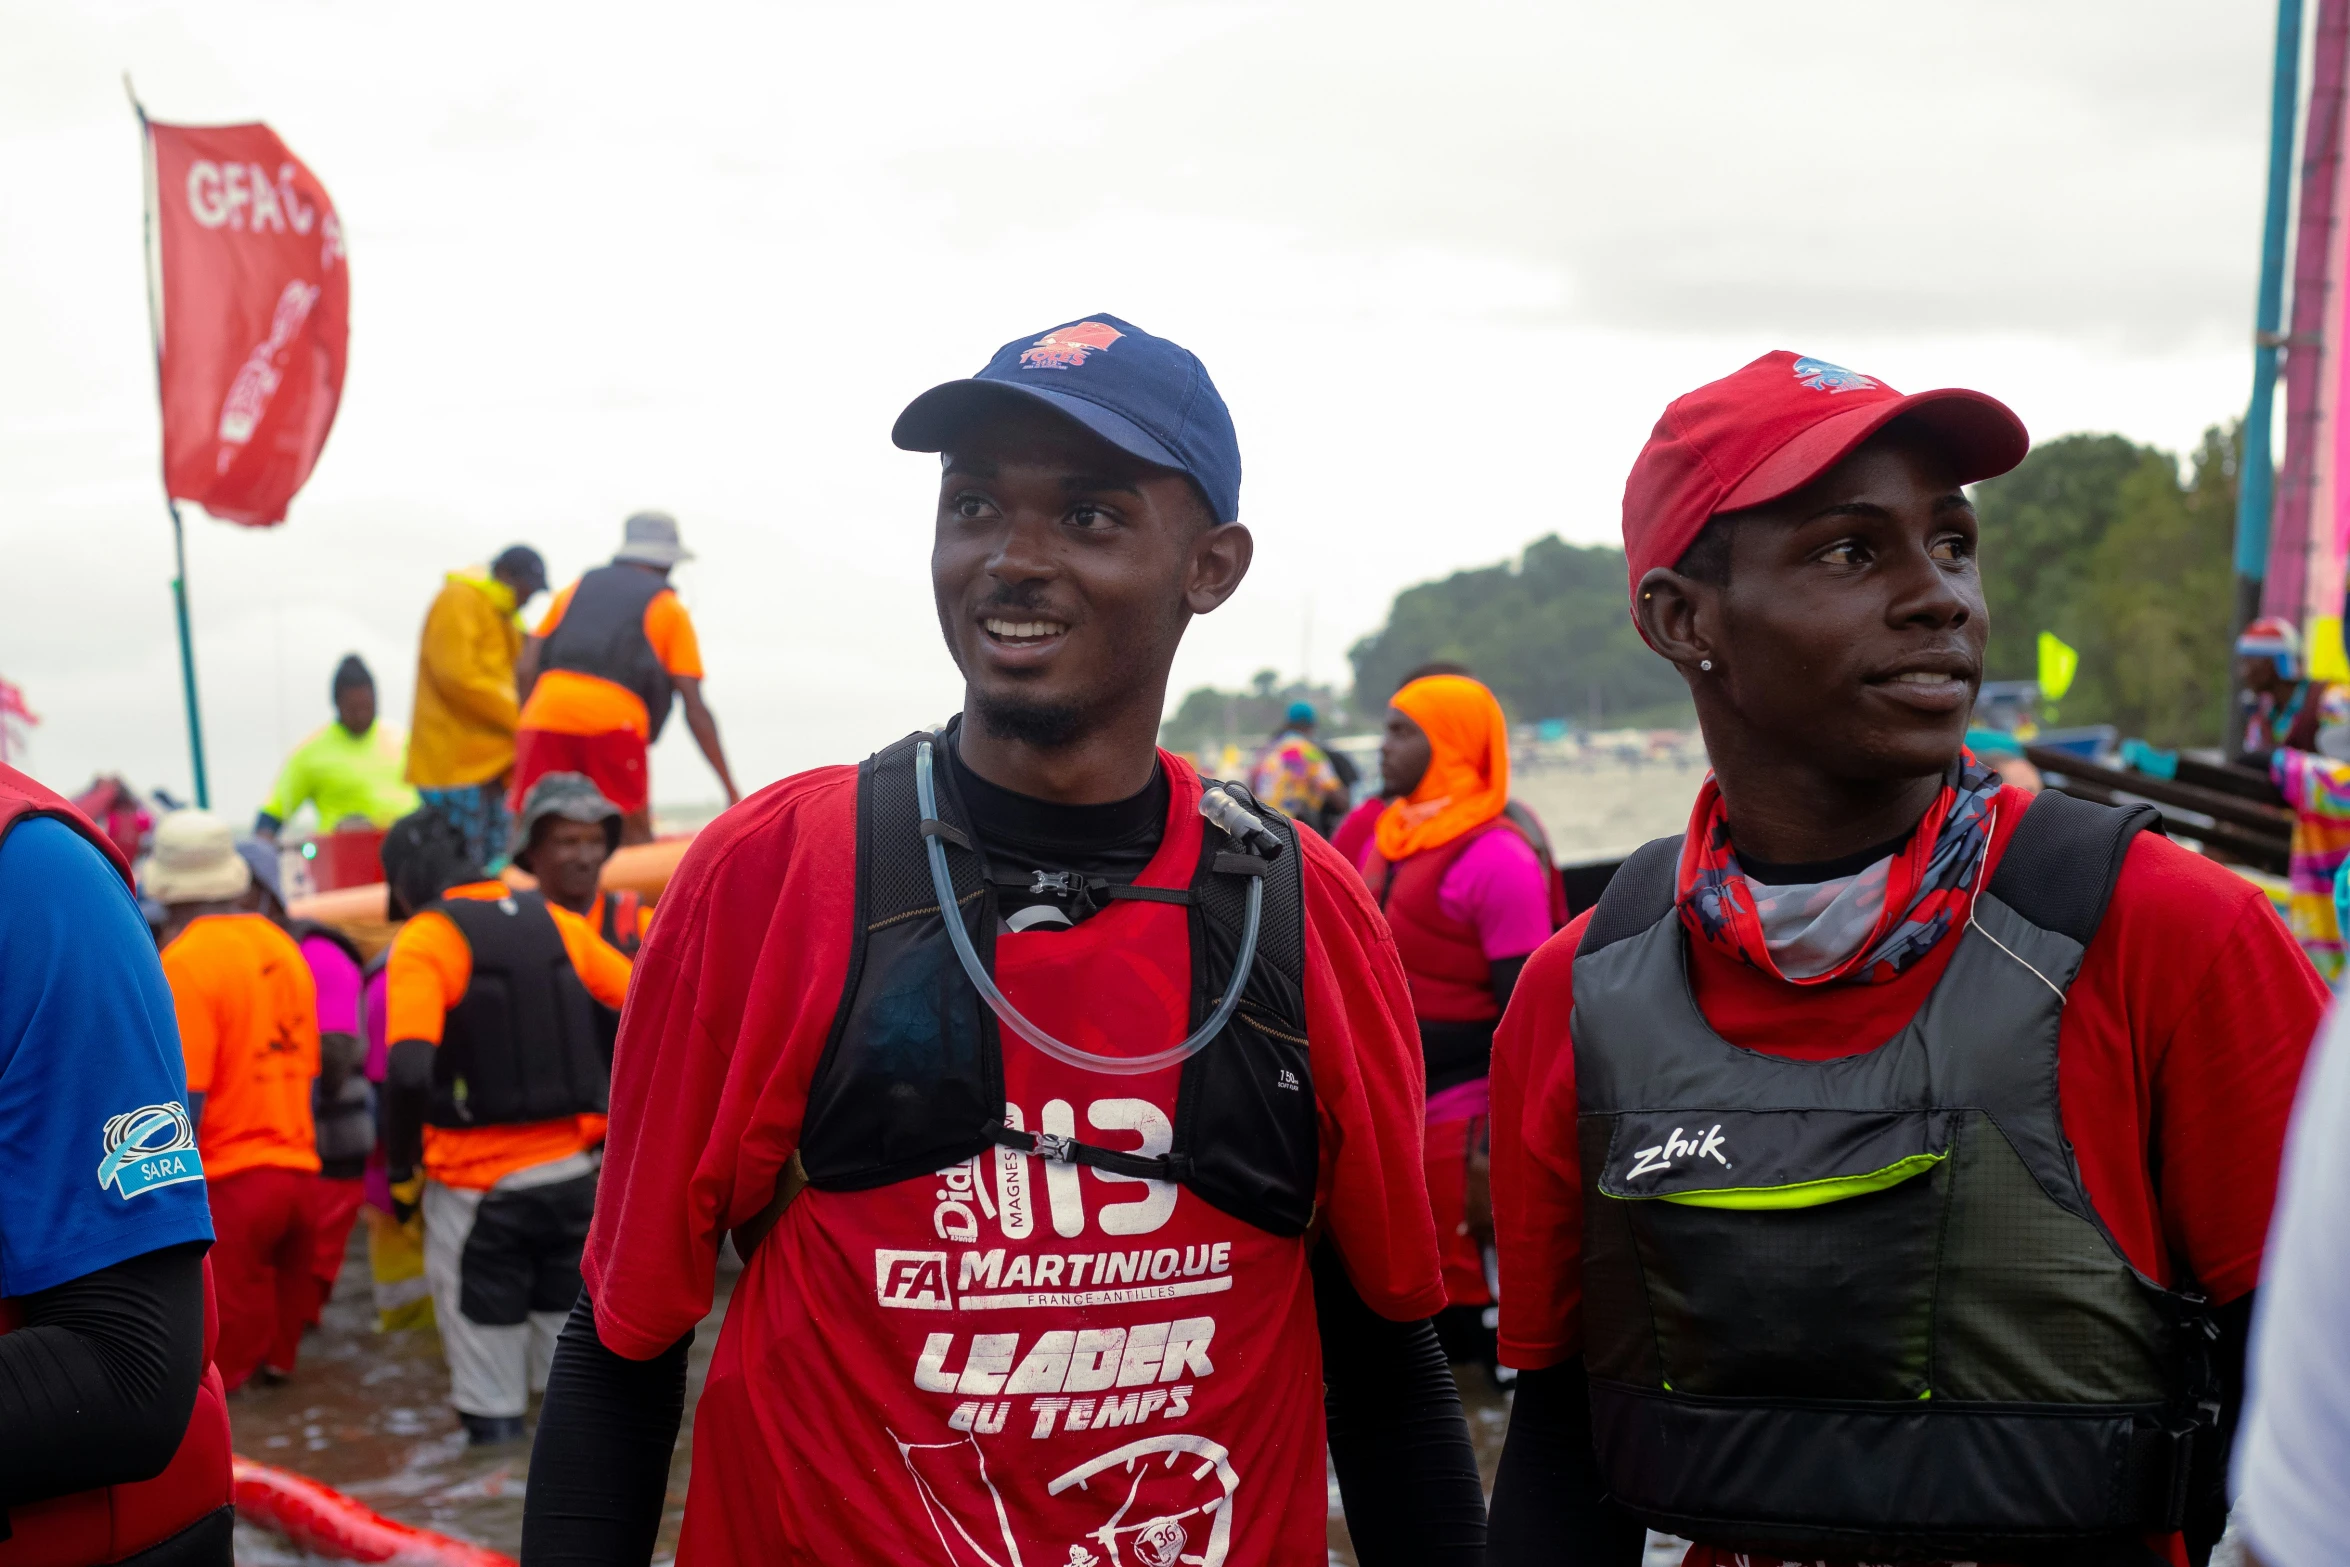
[1865, 928]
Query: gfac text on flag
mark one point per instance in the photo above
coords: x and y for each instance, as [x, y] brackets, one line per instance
[256, 298]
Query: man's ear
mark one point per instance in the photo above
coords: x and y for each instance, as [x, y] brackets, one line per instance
[1679, 617]
[1220, 557]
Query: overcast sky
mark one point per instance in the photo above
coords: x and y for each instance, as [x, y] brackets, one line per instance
[1447, 263]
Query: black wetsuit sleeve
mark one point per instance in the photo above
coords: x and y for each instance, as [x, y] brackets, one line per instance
[97, 1383]
[1398, 1440]
[599, 1471]
[407, 1100]
[1549, 1507]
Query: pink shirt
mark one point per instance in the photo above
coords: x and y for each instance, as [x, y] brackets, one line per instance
[1498, 889]
[337, 978]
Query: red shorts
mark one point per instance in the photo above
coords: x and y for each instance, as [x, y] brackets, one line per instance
[1456, 1133]
[614, 762]
[334, 1208]
[264, 1255]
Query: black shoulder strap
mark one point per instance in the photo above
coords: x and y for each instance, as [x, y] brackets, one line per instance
[1246, 1127]
[1641, 893]
[2060, 867]
[495, 939]
[893, 856]
[1220, 890]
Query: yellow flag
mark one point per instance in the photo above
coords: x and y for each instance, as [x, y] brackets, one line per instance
[2058, 665]
[2327, 659]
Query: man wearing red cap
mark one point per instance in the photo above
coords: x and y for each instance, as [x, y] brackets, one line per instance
[1881, 1169]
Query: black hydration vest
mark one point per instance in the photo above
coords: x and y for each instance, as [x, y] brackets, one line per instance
[521, 1045]
[1862, 1307]
[602, 633]
[912, 1077]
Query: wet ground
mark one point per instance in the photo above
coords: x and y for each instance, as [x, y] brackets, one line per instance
[368, 1413]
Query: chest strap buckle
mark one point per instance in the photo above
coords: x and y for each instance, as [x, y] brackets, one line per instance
[1173, 1167]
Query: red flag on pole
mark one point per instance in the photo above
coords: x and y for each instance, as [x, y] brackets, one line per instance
[256, 313]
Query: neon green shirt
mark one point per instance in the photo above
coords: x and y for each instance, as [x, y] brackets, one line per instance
[345, 774]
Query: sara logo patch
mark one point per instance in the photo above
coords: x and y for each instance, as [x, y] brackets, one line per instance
[1822, 376]
[1658, 1160]
[1069, 346]
[147, 1148]
[913, 1280]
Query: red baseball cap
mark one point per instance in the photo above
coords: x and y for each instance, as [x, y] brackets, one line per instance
[1772, 428]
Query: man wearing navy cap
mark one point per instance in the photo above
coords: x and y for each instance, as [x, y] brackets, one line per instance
[1059, 1206]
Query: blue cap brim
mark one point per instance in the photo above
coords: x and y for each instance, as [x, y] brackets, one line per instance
[931, 421]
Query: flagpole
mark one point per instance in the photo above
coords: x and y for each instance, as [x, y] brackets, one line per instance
[179, 542]
[2256, 481]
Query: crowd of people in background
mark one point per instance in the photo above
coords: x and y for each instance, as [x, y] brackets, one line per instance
[1897, 1119]
[324, 1081]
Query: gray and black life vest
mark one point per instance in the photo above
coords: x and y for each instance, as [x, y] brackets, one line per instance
[602, 633]
[1862, 1307]
[521, 1045]
[912, 1077]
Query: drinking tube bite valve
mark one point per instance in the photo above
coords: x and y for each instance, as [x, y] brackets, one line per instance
[943, 883]
[1242, 825]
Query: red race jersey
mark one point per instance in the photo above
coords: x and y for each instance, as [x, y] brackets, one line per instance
[1006, 1360]
[2178, 1057]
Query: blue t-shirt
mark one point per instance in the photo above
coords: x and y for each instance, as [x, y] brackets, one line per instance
[97, 1156]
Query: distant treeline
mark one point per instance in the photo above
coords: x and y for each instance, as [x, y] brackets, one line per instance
[2101, 541]
[1547, 631]
[2093, 537]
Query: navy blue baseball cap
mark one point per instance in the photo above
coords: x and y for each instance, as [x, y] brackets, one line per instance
[1142, 394]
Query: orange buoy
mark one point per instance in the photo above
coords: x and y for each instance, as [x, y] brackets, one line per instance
[325, 1522]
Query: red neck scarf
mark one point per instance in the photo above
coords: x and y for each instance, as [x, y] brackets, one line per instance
[1929, 883]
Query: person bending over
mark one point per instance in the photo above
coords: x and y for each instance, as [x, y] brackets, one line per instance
[599, 676]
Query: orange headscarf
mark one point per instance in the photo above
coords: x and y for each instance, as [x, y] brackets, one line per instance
[1468, 778]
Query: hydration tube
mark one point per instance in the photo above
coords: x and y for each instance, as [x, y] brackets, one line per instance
[926, 797]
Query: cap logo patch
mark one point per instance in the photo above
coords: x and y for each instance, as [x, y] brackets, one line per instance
[1822, 376]
[1070, 345]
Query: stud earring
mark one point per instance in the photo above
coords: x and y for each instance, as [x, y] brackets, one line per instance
[1705, 663]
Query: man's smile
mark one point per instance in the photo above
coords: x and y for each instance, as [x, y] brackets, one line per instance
[1930, 683]
[1029, 632]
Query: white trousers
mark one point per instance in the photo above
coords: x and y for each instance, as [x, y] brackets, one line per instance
[493, 1368]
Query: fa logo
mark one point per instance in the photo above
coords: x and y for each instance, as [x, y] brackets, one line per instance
[914, 1280]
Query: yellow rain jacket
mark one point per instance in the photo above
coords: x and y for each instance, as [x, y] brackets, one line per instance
[466, 711]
